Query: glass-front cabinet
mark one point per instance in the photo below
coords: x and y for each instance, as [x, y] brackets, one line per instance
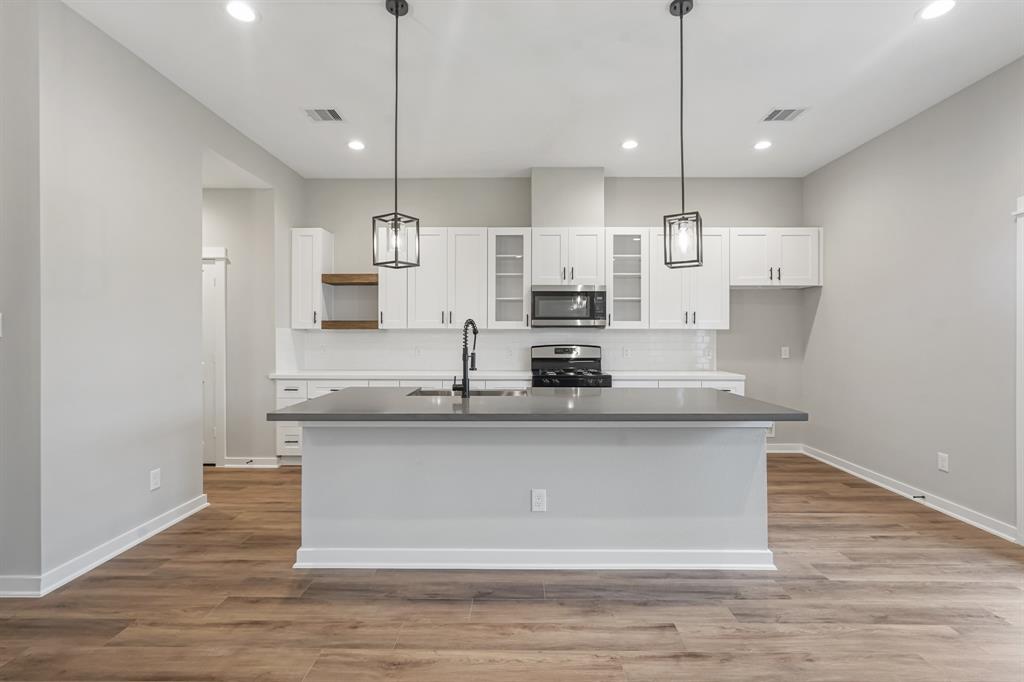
[627, 252]
[508, 253]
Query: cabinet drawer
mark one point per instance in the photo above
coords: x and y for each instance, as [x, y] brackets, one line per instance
[633, 384]
[291, 389]
[678, 384]
[731, 386]
[424, 384]
[289, 440]
[318, 388]
[513, 385]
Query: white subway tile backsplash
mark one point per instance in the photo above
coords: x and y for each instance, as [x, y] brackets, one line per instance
[497, 349]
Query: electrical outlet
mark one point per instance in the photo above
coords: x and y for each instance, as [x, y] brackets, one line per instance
[154, 479]
[627, 352]
[943, 462]
[538, 500]
[785, 352]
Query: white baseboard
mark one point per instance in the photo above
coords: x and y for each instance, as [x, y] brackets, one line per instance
[534, 559]
[947, 507]
[38, 586]
[251, 463]
[786, 448]
[19, 585]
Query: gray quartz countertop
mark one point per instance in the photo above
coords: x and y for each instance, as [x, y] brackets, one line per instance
[538, 404]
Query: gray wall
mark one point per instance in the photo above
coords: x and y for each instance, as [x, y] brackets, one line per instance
[567, 197]
[345, 207]
[242, 220]
[761, 321]
[20, 548]
[121, 207]
[912, 345]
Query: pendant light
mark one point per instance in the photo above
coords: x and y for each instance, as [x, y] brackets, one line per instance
[396, 236]
[684, 236]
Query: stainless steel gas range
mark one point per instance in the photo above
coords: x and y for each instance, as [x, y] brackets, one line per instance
[568, 366]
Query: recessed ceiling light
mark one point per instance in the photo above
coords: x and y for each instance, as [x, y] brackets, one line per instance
[762, 145]
[937, 9]
[630, 144]
[356, 145]
[242, 11]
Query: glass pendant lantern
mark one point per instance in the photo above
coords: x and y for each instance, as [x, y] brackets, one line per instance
[396, 236]
[683, 232]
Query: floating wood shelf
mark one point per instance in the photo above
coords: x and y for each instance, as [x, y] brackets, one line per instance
[349, 324]
[359, 280]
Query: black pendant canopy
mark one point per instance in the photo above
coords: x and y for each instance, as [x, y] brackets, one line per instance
[683, 232]
[396, 236]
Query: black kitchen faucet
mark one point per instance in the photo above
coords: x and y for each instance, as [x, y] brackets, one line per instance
[468, 358]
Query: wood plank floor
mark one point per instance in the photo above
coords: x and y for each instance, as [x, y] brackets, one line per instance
[871, 587]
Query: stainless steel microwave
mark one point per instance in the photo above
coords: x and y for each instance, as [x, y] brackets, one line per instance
[568, 306]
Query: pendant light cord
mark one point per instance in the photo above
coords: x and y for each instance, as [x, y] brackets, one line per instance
[682, 156]
[396, 110]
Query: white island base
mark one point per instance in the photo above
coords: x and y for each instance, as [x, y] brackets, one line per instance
[457, 495]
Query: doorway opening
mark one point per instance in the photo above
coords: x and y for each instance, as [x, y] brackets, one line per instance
[214, 352]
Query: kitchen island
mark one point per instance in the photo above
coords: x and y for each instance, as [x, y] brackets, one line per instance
[631, 478]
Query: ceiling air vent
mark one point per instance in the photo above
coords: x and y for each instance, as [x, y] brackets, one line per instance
[784, 115]
[324, 115]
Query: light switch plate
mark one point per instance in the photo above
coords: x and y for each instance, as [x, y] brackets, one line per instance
[943, 462]
[154, 479]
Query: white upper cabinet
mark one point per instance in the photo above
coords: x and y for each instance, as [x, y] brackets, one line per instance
[691, 298]
[467, 275]
[509, 266]
[568, 255]
[550, 256]
[710, 283]
[775, 256]
[586, 256]
[799, 257]
[392, 298]
[312, 258]
[628, 277]
[428, 283]
[450, 284]
[667, 288]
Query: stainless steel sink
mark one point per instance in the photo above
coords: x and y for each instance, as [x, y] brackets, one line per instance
[484, 393]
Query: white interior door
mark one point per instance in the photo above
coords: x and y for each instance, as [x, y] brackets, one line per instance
[586, 256]
[666, 292]
[711, 282]
[550, 256]
[753, 256]
[428, 284]
[467, 275]
[798, 256]
[213, 360]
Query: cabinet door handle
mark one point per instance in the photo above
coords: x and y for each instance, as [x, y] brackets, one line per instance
[314, 317]
[382, 317]
[449, 317]
[572, 273]
[695, 317]
[779, 271]
[291, 389]
[609, 319]
[563, 274]
[771, 275]
[527, 319]
[442, 317]
[687, 317]
[291, 442]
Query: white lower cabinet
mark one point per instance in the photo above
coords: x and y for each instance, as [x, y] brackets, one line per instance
[319, 388]
[289, 440]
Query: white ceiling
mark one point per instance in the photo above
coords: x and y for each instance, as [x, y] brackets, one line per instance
[494, 87]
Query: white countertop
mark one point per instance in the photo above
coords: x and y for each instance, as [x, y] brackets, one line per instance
[498, 375]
